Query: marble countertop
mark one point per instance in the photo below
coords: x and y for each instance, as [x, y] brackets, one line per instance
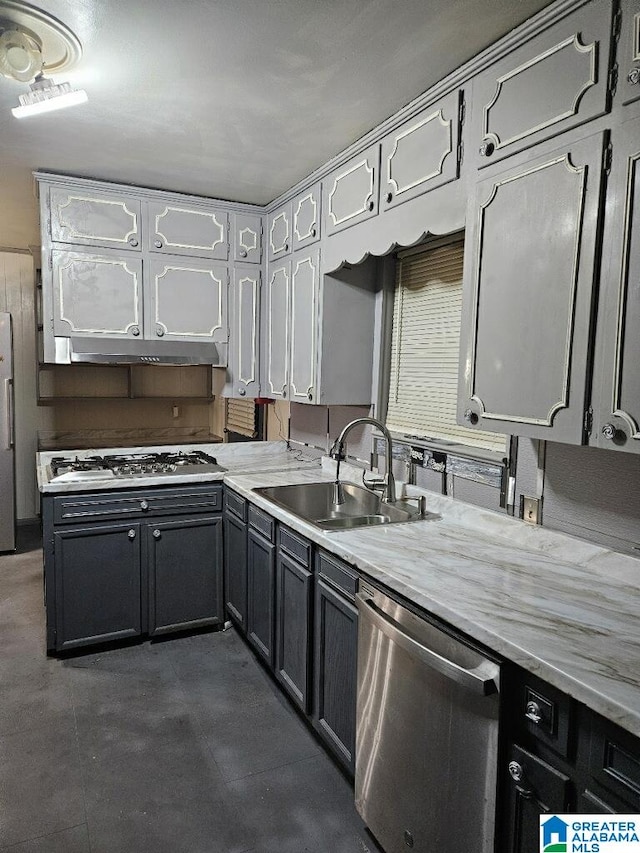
[562, 608]
[236, 456]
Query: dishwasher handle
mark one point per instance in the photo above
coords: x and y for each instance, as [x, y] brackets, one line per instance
[482, 679]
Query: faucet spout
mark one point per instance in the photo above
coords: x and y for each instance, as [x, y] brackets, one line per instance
[337, 452]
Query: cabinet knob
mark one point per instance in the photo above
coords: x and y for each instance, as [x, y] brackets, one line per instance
[157, 244]
[471, 417]
[487, 148]
[310, 394]
[371, 205]
[156, 534]
[242, 391]
[159, 331]
[133, 241]
[131, 534]
[609, 432]
[633, 76]
[144, 506]
[533, 712]
[389, 197]
[516, 771]
[313, 232]
[284, 392]
[243, 253]
[286, 247]
[135, 331]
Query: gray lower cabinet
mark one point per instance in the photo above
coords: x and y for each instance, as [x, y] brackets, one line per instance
[616, 402]
[529, 376]
[294, 598]
[629, 53]
[97, 585]
[120, 565]
[555, 81]
[261, 580]
[184, 592]
[335, 658]
[235, 558]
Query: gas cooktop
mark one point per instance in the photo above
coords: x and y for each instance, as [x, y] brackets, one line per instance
[131, 465]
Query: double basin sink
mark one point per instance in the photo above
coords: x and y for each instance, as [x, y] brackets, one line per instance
[341, 506]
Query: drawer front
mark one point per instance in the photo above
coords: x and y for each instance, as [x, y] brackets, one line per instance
[544, 713]
[262, 522]
[295, 546]
[72, 509]
[556, 81]
[614, 761]
[342, 576]
[235, 504]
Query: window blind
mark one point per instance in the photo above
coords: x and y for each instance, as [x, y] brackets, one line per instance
[241, 417]
[425, 345]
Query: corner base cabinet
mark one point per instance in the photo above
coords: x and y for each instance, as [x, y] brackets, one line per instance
[133, 562]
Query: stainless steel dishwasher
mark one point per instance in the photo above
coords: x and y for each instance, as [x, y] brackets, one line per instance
[427, 733]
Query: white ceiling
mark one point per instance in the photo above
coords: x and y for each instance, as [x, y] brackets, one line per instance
[235, 99]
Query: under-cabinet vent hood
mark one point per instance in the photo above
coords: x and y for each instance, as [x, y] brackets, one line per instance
[101, 351]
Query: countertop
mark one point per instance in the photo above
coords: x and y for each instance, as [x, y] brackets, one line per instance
[562, 608]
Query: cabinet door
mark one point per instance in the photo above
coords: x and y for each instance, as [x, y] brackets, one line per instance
[629, 50]
[350, 194]
[280, 233]
[306, 218]
[187, 300]
[235, 568]
[244, 332]
[247, 238]
[276, 330]
[616, 405]
[179, 230]
[554, 82]
[185, 574]
[335, 658]
[422, 154]
[83, 217]
[97, 585]
[260, 594]
[527, 311]
[96, 294]
[305, 279]
[534, 788]
[293, 629]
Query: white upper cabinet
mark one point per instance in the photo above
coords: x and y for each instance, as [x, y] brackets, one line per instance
[306, 218]
[90, 218]
[247, 238]
[555, 81]
[350, 194]
[422, 154]
[305, 283]
[243, 374]
[629, 52]
[182, 230]
[279, 234]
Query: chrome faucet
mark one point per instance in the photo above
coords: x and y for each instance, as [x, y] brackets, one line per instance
[337, 452]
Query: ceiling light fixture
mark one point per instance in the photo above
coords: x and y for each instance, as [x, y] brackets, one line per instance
[46, 96]
[32, 44]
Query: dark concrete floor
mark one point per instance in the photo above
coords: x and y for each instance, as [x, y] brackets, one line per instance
[184, 746]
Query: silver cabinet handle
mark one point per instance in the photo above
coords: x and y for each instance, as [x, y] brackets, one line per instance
[470, 417]
[144, 506]
[516, 771]
[487, 148]
[131, 534]
[8, 411]
[135, 331]
[314, 232]
[310, 394]
[156, 534]
[480, 680]
[242, 391]
[533, 712]
[157, 244]
[133, 241]
[243, 253]
[159, 331]
[633, 76]
[609, 432]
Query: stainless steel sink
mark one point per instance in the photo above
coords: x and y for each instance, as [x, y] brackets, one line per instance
[359, 507]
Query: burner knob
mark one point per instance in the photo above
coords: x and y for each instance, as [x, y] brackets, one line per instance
[156, 534]
[144, 506]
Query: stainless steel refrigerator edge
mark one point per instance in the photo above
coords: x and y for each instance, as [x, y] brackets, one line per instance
[427, 733]
[7, 462]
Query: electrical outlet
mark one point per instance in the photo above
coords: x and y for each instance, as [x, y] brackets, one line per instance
[530, 509]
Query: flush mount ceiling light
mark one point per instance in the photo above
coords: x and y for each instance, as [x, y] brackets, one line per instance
[32, 44]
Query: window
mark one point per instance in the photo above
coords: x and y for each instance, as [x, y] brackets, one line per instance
[425, 342]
